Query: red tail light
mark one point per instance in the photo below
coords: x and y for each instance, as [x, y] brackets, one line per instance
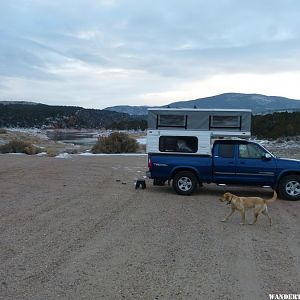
[149, 164]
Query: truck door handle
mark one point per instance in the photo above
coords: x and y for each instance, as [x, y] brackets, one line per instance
[242, 162]
[230, 162]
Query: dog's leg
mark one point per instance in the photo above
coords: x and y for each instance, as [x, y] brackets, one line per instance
[256, 213]
[243, 214]
[266, 213]
[226, 218]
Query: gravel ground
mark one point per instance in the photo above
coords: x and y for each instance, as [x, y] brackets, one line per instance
[69, 229]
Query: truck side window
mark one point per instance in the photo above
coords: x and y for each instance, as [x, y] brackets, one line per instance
[250, 151]
[185, 144]
[226, 150]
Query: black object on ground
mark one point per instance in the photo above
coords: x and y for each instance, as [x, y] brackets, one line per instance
[140, 183]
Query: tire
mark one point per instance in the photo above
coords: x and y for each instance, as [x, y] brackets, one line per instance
[289, 187]
[184, 183]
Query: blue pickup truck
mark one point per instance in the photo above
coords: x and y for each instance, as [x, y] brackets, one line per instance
[237, 162]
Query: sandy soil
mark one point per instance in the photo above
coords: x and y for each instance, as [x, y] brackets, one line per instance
[69, 229]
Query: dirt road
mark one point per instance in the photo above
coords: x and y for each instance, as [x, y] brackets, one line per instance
[70, 230]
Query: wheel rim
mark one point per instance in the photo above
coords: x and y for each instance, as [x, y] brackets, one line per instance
[292, 188]
[185, 184]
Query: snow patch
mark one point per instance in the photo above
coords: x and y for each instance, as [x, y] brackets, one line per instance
[64, 155]
[42, 154]
[142, 141]
[33, 131]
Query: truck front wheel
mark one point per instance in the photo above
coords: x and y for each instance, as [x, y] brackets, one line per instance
[289, 187]
[184, 183]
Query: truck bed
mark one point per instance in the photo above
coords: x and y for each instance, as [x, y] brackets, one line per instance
[164, 165]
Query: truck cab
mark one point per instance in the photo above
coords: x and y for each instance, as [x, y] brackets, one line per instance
[243, 162]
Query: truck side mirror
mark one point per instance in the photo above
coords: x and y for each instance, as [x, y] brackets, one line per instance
[267, 156]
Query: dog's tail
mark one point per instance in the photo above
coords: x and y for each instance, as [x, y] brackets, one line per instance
[272, 199]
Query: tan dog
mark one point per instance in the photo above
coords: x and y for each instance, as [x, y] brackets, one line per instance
[243, 203]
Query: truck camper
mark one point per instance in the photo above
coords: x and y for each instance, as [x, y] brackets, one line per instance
[170, 129]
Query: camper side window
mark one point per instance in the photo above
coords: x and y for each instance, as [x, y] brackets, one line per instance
[225, 122]
[172, 121]
[184, 144]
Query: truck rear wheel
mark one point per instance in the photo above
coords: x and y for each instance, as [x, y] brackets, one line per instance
[289, 187]
[184, 183]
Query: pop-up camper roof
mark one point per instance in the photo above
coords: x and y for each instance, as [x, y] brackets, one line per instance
[199, 119]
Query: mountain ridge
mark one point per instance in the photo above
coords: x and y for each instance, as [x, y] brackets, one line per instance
[258, 103]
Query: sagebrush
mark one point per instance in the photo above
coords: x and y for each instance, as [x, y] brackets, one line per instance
[20, 147]
[117, 142]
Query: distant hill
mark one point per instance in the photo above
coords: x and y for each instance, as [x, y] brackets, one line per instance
[48, 116]
[260, 104]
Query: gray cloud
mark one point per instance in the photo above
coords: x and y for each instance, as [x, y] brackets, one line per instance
[157, 44]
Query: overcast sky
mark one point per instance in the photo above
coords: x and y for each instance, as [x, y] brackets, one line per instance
[99, 53]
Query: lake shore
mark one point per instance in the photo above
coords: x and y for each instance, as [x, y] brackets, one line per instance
[59, 141]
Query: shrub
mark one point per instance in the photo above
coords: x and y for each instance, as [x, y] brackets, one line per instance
[117, 142]
[3, 131]
[52, 152]
[19, 147]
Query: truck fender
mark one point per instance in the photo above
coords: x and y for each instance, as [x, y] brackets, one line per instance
[285, 173]
[185, 168]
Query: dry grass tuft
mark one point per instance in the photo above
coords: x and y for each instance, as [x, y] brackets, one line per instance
[52, 152]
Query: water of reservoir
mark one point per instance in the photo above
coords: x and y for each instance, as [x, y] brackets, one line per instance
[83, 138]
[86, 138]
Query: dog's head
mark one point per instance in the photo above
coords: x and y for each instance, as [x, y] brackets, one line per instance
[227, 197]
